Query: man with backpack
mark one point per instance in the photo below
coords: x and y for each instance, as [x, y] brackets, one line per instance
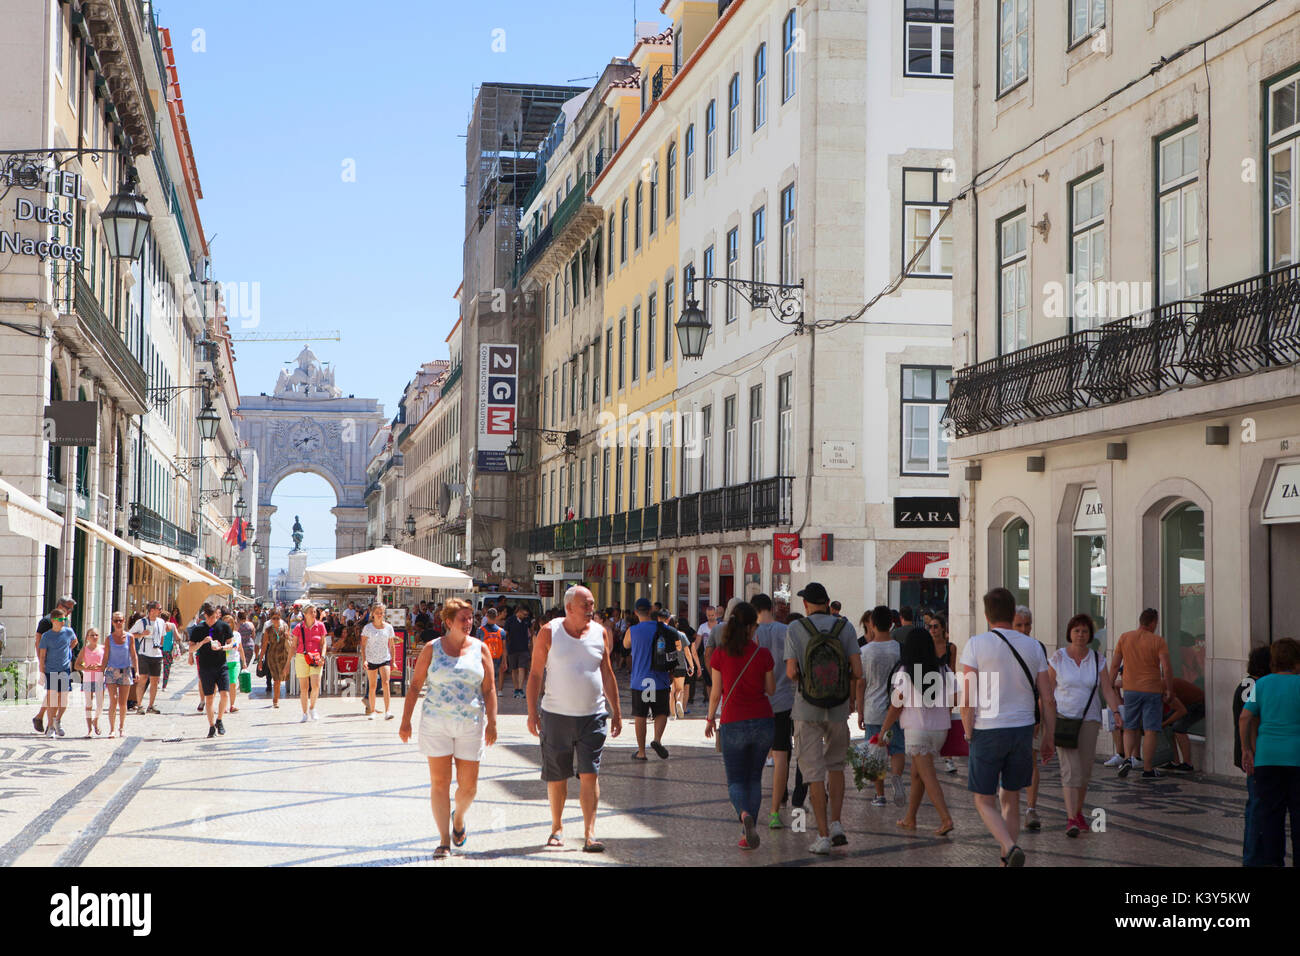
[821, 657]
[495, 639]
[651, 644]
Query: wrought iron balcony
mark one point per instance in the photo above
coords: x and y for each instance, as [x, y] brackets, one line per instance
[619, 535]
[148, 525]
[98, 343]
[659, 81]
[688, 516]
[650, 523]
[1234, 330]
[633, 527]
[668, 519]
[713, 510]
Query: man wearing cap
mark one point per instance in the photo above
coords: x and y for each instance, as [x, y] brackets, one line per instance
[148, 633]
[821, 733]
[651, 689]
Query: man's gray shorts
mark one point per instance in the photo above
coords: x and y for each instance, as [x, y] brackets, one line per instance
[571, 745]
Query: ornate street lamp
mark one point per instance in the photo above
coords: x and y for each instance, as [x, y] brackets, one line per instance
[241, 508]
[209, 422]
[410, 526]
[126, 222]
[692, 330]
[514, 457]
[782, 300]
[229, 482]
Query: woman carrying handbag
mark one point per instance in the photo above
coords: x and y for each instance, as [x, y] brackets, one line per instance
[1078, 676]
[743, 678]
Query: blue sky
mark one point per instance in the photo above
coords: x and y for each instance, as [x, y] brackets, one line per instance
[279, 95]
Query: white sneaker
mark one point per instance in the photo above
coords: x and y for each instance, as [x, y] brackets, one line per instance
[838, 836]
[896, 787]
[49, 730]
[314, 715]
[304, 718]
[58, 728]
[949, 766]
[822, 847]
[370, 716]
[1114, 761]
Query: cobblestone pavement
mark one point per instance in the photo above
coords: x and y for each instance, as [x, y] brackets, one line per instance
[347, 792]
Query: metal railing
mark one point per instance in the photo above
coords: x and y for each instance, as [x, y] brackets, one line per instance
[659, 81]
[452, 379]
[148, 525]
[75, 296]
[1233, 330]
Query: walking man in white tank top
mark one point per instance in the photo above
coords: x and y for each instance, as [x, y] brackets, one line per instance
[572, 653]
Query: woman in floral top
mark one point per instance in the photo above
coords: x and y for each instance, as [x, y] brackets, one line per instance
[458, 720]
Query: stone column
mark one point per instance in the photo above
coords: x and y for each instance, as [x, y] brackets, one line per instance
[262, 574]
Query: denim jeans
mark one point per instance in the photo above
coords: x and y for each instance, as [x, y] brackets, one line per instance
[745, 744]
[1277, 795]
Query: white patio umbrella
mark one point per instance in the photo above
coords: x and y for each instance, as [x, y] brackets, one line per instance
[385, 567]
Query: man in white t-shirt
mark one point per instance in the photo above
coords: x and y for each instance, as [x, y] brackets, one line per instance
[1004, 675]
[148, 633]
[350, 615]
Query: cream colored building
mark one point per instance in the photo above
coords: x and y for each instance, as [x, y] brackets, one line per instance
[1129, 438]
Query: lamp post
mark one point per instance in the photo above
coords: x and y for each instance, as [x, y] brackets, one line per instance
[783, 300]
[514, 457]
[209, 422]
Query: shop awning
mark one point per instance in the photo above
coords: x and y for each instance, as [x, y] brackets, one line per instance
[28, 517]
[205, 574]
[176, 569]
[936, 569]
[912, 564]
[112, 540]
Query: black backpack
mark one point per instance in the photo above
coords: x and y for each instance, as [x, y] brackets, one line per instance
[825, 675]
[663, 657]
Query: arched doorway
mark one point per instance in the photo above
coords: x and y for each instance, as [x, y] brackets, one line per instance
[311, 500]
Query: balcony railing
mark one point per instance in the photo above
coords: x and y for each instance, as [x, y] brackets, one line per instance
[103, 342]
[150, 526]
[756, 504]
[452, 379]
[659, 81]
[1233, 330]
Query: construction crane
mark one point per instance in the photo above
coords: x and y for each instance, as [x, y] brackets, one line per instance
[324, 335]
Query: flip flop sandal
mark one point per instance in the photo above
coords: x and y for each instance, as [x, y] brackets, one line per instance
[458, 837]
[595, 846]
[945, 830]
[442, 852]
[660, 749]
[1015, 857]
[639, 757]
[555, 839]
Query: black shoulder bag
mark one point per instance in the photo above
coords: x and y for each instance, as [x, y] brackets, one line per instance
[1033, 684]
[1067, 728]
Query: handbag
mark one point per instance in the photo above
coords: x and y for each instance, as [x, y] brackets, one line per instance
[717, 736]
[1067, 728]
[314, 658]
[955, 745]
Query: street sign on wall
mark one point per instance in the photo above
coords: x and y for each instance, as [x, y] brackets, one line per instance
[498, 404]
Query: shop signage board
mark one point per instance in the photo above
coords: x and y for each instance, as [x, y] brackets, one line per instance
[927, 512]
[1282, 506]
[498, 404]
[70, 424]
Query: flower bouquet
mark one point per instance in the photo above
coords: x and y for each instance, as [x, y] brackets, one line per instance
[870, 762]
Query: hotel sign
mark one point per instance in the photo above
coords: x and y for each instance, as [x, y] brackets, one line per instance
[1282, 506]
[60, 183]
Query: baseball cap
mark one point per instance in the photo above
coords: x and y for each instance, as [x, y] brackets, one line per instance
[643, 604]
[814, 593]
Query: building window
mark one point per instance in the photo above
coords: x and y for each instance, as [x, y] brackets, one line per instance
[688, 167]
[604, 482]
[670, 185]
[1013, 285]
[595, 372]
[733, 114]
[583, 387]
[609, 359]
[760, 85]
[651, 321]
[688, 444]
[636, 343]
[546, 388]
[58, 40]
[567, 290]
[668, 321]
[1089, 547]
[654, 202]
[925, 195]
[1086, 18]
[789, 52]
[928, 32]
[542, 512]
[785, 426]
[1179, 217]
[677, 50]
[666, 462]
[622, 351]
[758, 246]
[729, 441]
[618, 480]
[1015, 559]
[649, 467]
[1013, 43]
[616, 123]
[622, 238]
[564, 388]
[555, 396]
[710, 140]
[1284, 145]
[640, 200]
[1088, 250]
[925, 395]
[632, 473]
[755, 432]
[708, 291]
[582, 489]
[562, 507]
[573, 386]
[594, 499]
[733, 267]
[789, 246]
[706, 448]
[1182, 593]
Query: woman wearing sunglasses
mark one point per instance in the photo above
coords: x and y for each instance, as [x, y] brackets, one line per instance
[120, 668]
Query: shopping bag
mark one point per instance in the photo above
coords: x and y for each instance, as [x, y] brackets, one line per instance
[955, 745]
[245, 682]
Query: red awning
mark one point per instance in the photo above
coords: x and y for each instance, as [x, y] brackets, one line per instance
[912, 564]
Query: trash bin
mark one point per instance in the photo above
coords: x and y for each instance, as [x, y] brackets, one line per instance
[245, 682]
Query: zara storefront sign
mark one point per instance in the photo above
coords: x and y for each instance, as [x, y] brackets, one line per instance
[60, 183]
[927, 513]
[1282, 506]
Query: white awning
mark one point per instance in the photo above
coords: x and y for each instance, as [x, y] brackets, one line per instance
[205, 574]
[28, 517]
[112, 540]
[936, 569]
[176, 569]
[385, 567]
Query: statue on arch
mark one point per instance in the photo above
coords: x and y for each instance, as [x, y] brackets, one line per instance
[297, 534]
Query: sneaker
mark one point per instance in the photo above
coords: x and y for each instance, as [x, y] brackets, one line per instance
[38, 724]
[751, 833]
[518, 694]
[896, 788]
[1125, 767]
[212, 732]
[1183, 768]
[1114, 761]
[1031, 820]
[822, 847]
[838, 836]
[314, 715]
[221, 728]
[949, 766]
[154, 710]
[774, 821]
[370, 716]
[1168, 767]
[1072, 827]
[49, 731]
[304, 719]
[879, 802]
[58, 728]
[768, 762]
[1151, 775]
